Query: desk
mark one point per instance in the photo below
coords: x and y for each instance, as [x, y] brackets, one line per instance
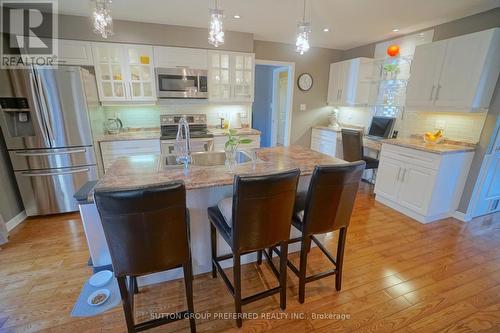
[371, 144]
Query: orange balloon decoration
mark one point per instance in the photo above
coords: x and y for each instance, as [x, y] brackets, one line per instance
[393, 50]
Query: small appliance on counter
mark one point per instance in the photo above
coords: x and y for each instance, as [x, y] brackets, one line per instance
[113, 125]
[235, 120]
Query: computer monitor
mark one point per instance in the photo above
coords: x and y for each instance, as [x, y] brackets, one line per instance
[381, 127]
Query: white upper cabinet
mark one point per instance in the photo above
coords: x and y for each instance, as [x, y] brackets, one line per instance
[109, 62]
[231, 76]
[124, 72]
[335, 83]
[457, 74]
[349, 82]
[425, 71]
[172, 57]
[73, 52]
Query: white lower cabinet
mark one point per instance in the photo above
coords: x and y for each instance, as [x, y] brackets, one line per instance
[112, 150]
[220, 142]
[417, 184]
[422, 185]
[388, 174]
[324, 141]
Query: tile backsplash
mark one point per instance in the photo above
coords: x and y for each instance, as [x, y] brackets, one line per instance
[136, 116]
[458, 126]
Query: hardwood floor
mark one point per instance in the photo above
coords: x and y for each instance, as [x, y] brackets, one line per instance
[399, 276]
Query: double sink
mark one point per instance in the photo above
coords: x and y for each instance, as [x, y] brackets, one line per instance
[209, 158]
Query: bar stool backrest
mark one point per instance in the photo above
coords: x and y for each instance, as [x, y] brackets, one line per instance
[331, 195]
[146, 228]
[352, 145]
[262, 209]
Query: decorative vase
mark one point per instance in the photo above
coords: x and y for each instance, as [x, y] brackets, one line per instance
[231, 157]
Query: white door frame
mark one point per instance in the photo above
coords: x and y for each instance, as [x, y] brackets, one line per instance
[291, 80]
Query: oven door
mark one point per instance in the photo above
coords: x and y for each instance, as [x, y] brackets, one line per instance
[168, 147]
[181, 83]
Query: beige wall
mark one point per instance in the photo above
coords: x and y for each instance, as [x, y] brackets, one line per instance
[466, 25]
[80, 28]
[315, 62]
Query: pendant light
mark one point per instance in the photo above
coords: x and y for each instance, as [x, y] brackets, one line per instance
[216, 32]
[303, 34]
[101, 18]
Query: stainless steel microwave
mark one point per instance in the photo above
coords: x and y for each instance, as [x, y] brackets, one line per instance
[182, 83]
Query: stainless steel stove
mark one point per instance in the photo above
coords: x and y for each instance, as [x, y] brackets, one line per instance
[201, 139]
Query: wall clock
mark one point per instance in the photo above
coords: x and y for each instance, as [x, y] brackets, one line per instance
[305, 82]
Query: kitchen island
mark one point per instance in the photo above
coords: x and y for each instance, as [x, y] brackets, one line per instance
[205, 185]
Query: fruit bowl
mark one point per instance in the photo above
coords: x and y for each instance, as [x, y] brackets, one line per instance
[433, 137]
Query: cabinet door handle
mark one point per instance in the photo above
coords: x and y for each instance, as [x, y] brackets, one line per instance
[338, 92]
[341, 91]
[432, 92]
[404, 175]
[399, 172]
[437, 92]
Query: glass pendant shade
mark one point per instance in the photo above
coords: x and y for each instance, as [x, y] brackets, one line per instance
[216, 32]
[101, 18]
[303, 32]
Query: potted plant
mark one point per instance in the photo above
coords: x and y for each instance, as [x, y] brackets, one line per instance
[231, 146]
[392, 69]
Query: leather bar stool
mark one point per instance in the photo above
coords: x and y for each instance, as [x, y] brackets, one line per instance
[257, 217]
[326, 207]
[147, 231]
[352, 146]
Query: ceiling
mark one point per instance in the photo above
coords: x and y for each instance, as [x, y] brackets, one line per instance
[351, 22]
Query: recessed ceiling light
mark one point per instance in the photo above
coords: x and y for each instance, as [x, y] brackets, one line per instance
[395, 30]
[326, 29]
[236, 16]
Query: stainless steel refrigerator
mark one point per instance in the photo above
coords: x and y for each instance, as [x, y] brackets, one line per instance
[45, 122]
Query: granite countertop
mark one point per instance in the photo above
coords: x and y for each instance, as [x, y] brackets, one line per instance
[147, 170]
[155, 133]
[327, 128]
[445, 147]
[240, 131]
[135, 134]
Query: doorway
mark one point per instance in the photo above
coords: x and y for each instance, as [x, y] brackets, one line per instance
[272, 107]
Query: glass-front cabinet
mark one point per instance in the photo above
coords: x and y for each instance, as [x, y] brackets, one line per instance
[124, 72]
[220, 81]
[231, 76]
[141, 72]
[110, 72]
[243, 77]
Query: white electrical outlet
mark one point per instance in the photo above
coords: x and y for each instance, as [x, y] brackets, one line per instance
[440, 124]
[303, 107]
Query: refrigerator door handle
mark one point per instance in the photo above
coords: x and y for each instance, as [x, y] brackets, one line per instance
[40, 118]
[57, 173]
[43, 102]
[59, 152]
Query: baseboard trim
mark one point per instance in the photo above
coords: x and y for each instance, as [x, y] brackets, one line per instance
[16, 220]
[461, 216]
[410, 213]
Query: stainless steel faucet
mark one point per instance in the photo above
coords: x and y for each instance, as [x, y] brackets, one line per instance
[183, 134]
